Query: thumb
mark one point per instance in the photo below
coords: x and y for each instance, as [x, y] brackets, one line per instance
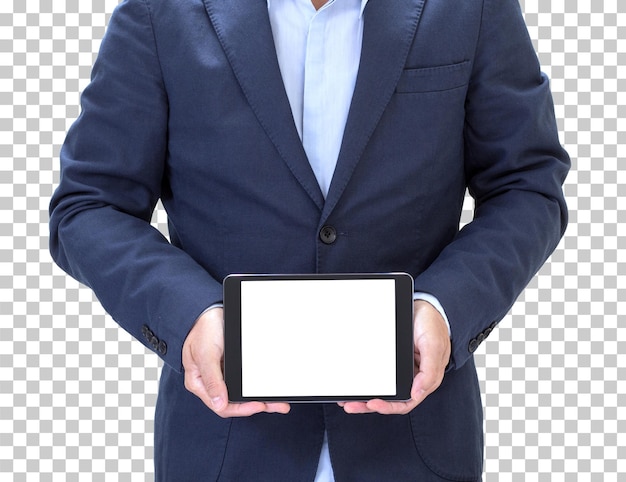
[213, 381]
[202, 359]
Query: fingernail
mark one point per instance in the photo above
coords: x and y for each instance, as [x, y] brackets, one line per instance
[217, 402]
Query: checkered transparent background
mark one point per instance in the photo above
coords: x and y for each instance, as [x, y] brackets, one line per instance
[77, 394]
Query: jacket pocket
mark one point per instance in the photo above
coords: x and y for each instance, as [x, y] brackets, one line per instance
[434, 79]
[448, 427]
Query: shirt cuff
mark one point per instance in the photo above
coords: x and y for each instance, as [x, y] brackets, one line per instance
[418, 295]
[214, 305]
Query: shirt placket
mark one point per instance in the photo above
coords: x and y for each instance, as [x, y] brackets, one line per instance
[313, 113]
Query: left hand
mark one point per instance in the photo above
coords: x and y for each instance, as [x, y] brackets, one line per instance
[432, 354]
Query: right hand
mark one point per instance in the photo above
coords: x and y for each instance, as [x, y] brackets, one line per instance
[203, 355]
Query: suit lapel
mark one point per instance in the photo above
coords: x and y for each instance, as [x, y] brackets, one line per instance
[244, 30]
[389, 29]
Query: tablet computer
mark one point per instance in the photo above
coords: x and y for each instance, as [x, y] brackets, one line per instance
[318, 338]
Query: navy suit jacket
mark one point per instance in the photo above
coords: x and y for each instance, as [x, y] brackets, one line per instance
[187, 105]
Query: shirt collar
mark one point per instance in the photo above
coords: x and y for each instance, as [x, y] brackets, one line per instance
[363, 4]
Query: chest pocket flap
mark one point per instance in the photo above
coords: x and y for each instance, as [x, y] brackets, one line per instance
[434, 79]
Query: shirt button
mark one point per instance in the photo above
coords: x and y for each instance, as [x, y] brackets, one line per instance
[328, 235]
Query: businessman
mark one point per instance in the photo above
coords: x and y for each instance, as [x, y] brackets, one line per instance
[303, 136]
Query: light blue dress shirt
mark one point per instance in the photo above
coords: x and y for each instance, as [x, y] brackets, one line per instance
[319, 53]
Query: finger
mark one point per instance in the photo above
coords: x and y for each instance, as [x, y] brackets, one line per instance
[356, 407]
[391, 408]
[430, 374]
[194, 383]
[241, 409]
[202, 359]
[432, 350]
[250, 408]
[193, 376]
[213, 379]
[283, 408]
[203, 367]
[380, 406]
[206, 387]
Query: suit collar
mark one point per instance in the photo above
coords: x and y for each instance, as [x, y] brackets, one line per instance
[244, 31]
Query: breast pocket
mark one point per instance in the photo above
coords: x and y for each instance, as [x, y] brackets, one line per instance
[434, 79]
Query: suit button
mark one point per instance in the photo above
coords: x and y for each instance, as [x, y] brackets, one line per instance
[154, 342]
[473, 345]
[328, 235]
[162, 347]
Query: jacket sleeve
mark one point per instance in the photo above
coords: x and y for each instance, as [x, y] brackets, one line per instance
[112, 164]
[514, 167]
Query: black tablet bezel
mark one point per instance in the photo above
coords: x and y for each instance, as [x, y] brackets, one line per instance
[403, 332]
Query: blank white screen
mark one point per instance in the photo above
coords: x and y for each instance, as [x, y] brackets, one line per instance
[318, 338]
